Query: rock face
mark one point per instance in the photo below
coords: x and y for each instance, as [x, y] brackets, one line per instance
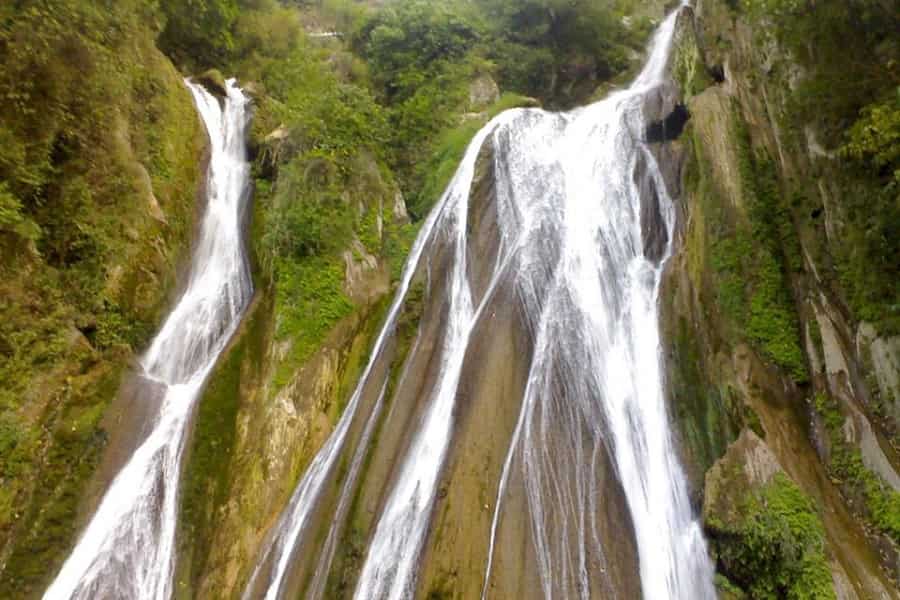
[265, 415]
[768, 389]
[213, 81]
[764, 531]
[807, 385]
[483, 91]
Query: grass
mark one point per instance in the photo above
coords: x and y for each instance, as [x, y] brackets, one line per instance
[309, 301]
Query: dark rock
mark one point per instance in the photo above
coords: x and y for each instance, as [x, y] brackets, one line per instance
[717, 73]
[213, 81]
[669, 128]
[653, 227]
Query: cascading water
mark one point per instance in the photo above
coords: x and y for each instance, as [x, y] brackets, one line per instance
[127, 549]
[597, 364]
[575, 252]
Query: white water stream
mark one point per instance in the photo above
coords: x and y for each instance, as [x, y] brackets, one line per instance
[597, 365]
[128, 549]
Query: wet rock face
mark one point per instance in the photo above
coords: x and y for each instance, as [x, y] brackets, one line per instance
[666, 117]
[492, 387]
[670, 127]
[653, 227]
[883, 356]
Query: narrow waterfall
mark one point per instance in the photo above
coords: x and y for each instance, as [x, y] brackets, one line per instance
[128, 548]
[577, 249]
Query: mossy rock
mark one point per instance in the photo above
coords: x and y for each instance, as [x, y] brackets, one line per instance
[765, 533]
[213, 81]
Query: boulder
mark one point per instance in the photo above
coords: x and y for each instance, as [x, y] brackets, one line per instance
[483, 91]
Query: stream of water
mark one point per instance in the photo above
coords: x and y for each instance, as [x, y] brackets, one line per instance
[128, 548]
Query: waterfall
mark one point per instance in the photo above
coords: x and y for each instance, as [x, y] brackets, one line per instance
[581, 246]
[128, 548]
[597, 365]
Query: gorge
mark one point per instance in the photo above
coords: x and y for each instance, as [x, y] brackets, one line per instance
[440, 300]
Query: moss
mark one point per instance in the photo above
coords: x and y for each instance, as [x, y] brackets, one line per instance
[357, 355]
[688, 68]
[442, 588]
[728, 590]
[213, 81]
[367, 230]
[66, 464]
[776, 548]
[309, 301]
[746, 255]
[99, 129]
[708, 418]
[206, 479]
[398, 240]
[880, 503]
[351, 551]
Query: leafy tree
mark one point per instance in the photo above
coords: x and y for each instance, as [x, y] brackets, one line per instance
[546, 46]
[411, 41]
[198, 32]
[874, 139]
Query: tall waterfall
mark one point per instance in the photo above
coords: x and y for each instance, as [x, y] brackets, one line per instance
[583, 228]
[128, 548]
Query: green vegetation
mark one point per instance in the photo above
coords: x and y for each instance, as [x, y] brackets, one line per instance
[206, 481]
[436, 172]
[198, 32]
[748, 255]
[340, 131]
[880, 502]
[559, 50]
[351, 551]
[775, 548]
[310, 302]
[98, 174]
[709, 418]
[772, 319]
[423, 55]
[859, 118]
[67, 458]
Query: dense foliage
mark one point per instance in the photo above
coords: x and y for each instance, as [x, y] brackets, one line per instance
[872, 494]
[98, 174]
[777, 547]
[859, 117]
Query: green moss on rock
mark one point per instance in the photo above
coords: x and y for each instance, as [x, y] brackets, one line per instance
[765, 533]
[879, 503]
[206, 481]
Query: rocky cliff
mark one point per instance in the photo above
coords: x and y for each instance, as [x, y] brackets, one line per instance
[767, 357]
